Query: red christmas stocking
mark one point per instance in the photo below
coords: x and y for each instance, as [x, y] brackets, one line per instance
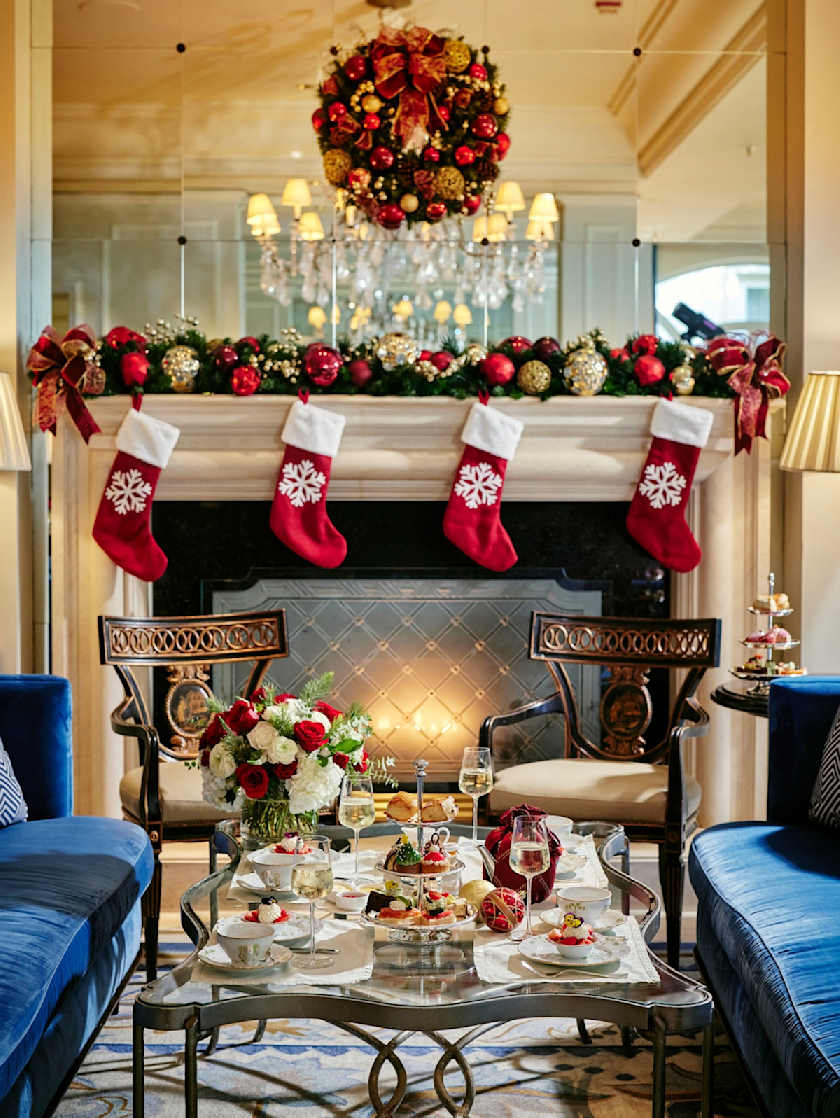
[299, 515]
[472, 520]
[656, 517]
[122, 527]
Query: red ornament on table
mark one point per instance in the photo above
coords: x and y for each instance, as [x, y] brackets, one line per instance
[497, 369]
[360, 372]
[356, 67]
[471, 203]
[431, 155]
[442, 360]
[517, 343]
[502, 910]
[545, 347]
[648, 370]
[381, 158]
[245, 380]
[319, 120]
[390, 216]
[484, 126]
[464, 156]
[477, 71]
[371, 122]
[502, 144]
[435, 211]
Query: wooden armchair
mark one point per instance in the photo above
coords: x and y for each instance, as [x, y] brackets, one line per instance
[620, 778]
[163, 795]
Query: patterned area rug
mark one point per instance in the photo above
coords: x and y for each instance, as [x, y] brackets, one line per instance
[522, 1068]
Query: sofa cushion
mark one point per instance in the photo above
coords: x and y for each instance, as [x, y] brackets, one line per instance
[66, 886]
[615, 791]
[770, 896]
[825, 799]
[181, 800]
[13, 807]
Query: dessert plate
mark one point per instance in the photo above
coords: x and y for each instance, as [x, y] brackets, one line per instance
[606, 923]
[540, 949]
[569, 864]
[251, 883]
[213, 955]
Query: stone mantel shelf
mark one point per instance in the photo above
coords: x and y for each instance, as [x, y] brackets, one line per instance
[406, 448]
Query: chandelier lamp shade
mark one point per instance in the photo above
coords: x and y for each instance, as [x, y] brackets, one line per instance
[509, 199]
[493, 228]
[813, 438]
[462, 315]
[538, 229]
[543, 208]
[14, 453]
[262, 217]
[296, 194]
[317, 317]
[310, 227]
[442, 312]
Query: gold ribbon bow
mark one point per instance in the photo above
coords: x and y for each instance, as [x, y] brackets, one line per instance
[59, 366]
[755, 375]
[410, 64]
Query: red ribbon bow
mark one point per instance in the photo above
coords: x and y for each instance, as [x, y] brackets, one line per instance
[410, 64]
[756, 378]
[58, 367]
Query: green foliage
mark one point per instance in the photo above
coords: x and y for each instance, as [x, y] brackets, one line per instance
[318, 688]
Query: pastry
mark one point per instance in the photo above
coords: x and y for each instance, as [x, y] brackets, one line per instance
[377, 901]
[402, 808]
[756, 663]
[435, 858]
[439, 811]
[292, 843]
[435, 902]
[403, 857]
[573, 939]
[776, 635]
[401, 910]
[268, 912]
[429, 919]
[771, 603]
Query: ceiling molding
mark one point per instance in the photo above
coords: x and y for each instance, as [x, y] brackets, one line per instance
[647, 33]
[740, 55]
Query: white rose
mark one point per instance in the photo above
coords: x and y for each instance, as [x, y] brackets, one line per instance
[222, 763]
[282, 752]
[262, 737]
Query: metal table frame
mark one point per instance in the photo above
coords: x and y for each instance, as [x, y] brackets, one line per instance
[202, 1021]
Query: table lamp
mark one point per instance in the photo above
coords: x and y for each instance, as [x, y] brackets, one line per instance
[813, 438]
[14, 453]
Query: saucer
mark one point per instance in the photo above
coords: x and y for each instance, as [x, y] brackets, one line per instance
[251, 883]
[605, 925]
[540, 949]
[569, 864]
[292, 931]
[213, 955]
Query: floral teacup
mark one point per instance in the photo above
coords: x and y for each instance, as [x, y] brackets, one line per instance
[245, 944]
[589, 902]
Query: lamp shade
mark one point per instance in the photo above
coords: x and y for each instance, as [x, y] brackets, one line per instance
[813, 439]
[479, 228]
[509, 199]
[296, 194]
[539, 230]
[544, 207]
[496, 227]
[317, 317]
[310, 227]
[462, 314]
[442, 311]
[14, 453]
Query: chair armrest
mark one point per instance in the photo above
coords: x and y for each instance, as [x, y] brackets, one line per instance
[801, 713]
[551, 705]
[125, 722]
[36, 729]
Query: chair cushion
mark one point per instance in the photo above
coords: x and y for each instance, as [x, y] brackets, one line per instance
[180, 796]
[66, 886]
[769, 896]
[585, 788]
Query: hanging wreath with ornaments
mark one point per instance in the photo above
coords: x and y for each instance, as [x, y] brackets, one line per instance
[412, 125]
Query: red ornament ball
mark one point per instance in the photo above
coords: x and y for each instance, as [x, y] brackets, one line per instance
[464, 156]
[322, 364]
[477, 71]
[502, 910]
[358, 178]
[431, 155]
[544, 347]
[371, 121]
[444, 112]
[381, 158]
[360, 372]
[244, 380]
[645, 343]
[497, 369]
[319, 120]
[226, 357]
[435, 211]
[356, 67]
[503, 144]
[424, 355]
[336, 111]
[517, 343]
[471, 203]
[484, 126]
[250, 341]
[620, 354]
[390, 216]
[442, 360]
[134, 368]
[648, 369]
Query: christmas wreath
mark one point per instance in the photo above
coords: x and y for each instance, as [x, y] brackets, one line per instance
[412, 125]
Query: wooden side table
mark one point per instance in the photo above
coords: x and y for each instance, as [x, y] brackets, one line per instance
[748, 702]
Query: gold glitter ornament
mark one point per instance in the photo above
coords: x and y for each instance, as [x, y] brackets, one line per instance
[457, 55]
[93, 382]
[585, 372]
[682, 379]
[534, 377]
[336, 165]
[474, 353]
[396, 349]
[449, 183]
[371, 103]
[181, 365]
[214, 344]
[501, 106]
[409, 203]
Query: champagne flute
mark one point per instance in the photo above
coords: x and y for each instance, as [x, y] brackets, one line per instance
[529, 855]
[312, 880]
[476, 779]
[355, 806]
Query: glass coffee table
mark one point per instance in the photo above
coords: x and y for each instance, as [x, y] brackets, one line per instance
[428, 998]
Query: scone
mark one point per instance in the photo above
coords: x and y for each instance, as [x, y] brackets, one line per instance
[402, 808]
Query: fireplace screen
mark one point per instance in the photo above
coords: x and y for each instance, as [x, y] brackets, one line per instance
[429, 658]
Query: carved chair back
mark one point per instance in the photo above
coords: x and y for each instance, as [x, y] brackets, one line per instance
[628, 650]
[187, 647]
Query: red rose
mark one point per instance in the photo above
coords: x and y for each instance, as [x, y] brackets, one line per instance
[205, 758]
[341, 760]
[619, 354]
[645, 343]
[285, 772]
[286, 695]
[258, 696]
[648, 370]
[361, 766]
[310, 735]
[329, 711]
[249, 341]
[214, 731]
[244, 380]
[121, 335]
[134, 368]
[253, 779]
[241, 717]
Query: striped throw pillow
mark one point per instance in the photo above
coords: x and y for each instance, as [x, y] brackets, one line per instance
[13, 807]
[825, 799]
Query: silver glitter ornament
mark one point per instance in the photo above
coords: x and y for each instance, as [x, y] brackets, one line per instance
[585, 372]
[396, 349]
[181, 365]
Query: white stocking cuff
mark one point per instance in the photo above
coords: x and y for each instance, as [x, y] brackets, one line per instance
[314, 429]
[150, 440]
[492, 431]
[681, 423]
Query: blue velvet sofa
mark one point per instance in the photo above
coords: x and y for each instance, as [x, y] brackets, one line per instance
[70, 900]
[768, 918]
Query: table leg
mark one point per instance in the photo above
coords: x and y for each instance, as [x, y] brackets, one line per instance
[191, 1068]
[707, 1102]
[658, 1109]
[138, 1069]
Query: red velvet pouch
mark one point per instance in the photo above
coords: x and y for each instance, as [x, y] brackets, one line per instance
[498, 844]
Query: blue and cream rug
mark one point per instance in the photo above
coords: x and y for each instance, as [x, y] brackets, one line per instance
[523, 1068]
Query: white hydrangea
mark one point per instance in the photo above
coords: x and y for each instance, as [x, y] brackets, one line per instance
[262, 737]
[313, 785]
[222, 762]
[213, 788]
[292, 709]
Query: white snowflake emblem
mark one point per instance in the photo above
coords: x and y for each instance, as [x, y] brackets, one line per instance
[478, 485]
[128, 491]
[301, 482]
[662, 485]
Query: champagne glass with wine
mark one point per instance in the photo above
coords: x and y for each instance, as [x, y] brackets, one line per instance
[476, 779]
[355, 805]
[312, 880]
[529, 855]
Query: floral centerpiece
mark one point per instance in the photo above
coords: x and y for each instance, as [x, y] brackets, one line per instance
[280, 758]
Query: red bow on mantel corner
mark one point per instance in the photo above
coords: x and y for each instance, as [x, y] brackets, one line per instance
[59, 367]
[756, 378]
[410, 63]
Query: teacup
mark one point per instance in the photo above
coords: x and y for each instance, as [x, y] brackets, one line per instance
[275, 870]
[589, 902]
[562, 827]
[244, 943]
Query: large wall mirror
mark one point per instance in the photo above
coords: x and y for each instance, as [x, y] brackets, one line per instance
[645, 119]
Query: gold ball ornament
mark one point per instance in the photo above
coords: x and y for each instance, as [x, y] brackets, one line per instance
[371, 103]
[534, 377]
[449, 183]
[474, 353]
[336, 165]
[397, 349]
[457, 55]
[409, 203]
[501, 106]
[214, 344]
[93, 381]
[476, 890]
[682, 379]
[585, 372]
[181, 365]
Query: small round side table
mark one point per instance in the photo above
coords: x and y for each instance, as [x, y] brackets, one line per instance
[748, 702]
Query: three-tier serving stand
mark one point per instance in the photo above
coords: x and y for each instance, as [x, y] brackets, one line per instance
[761, 679]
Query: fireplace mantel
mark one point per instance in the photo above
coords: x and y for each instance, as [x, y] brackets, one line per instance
[581, 449]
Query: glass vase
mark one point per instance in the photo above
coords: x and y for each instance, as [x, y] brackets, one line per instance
[268, 821]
